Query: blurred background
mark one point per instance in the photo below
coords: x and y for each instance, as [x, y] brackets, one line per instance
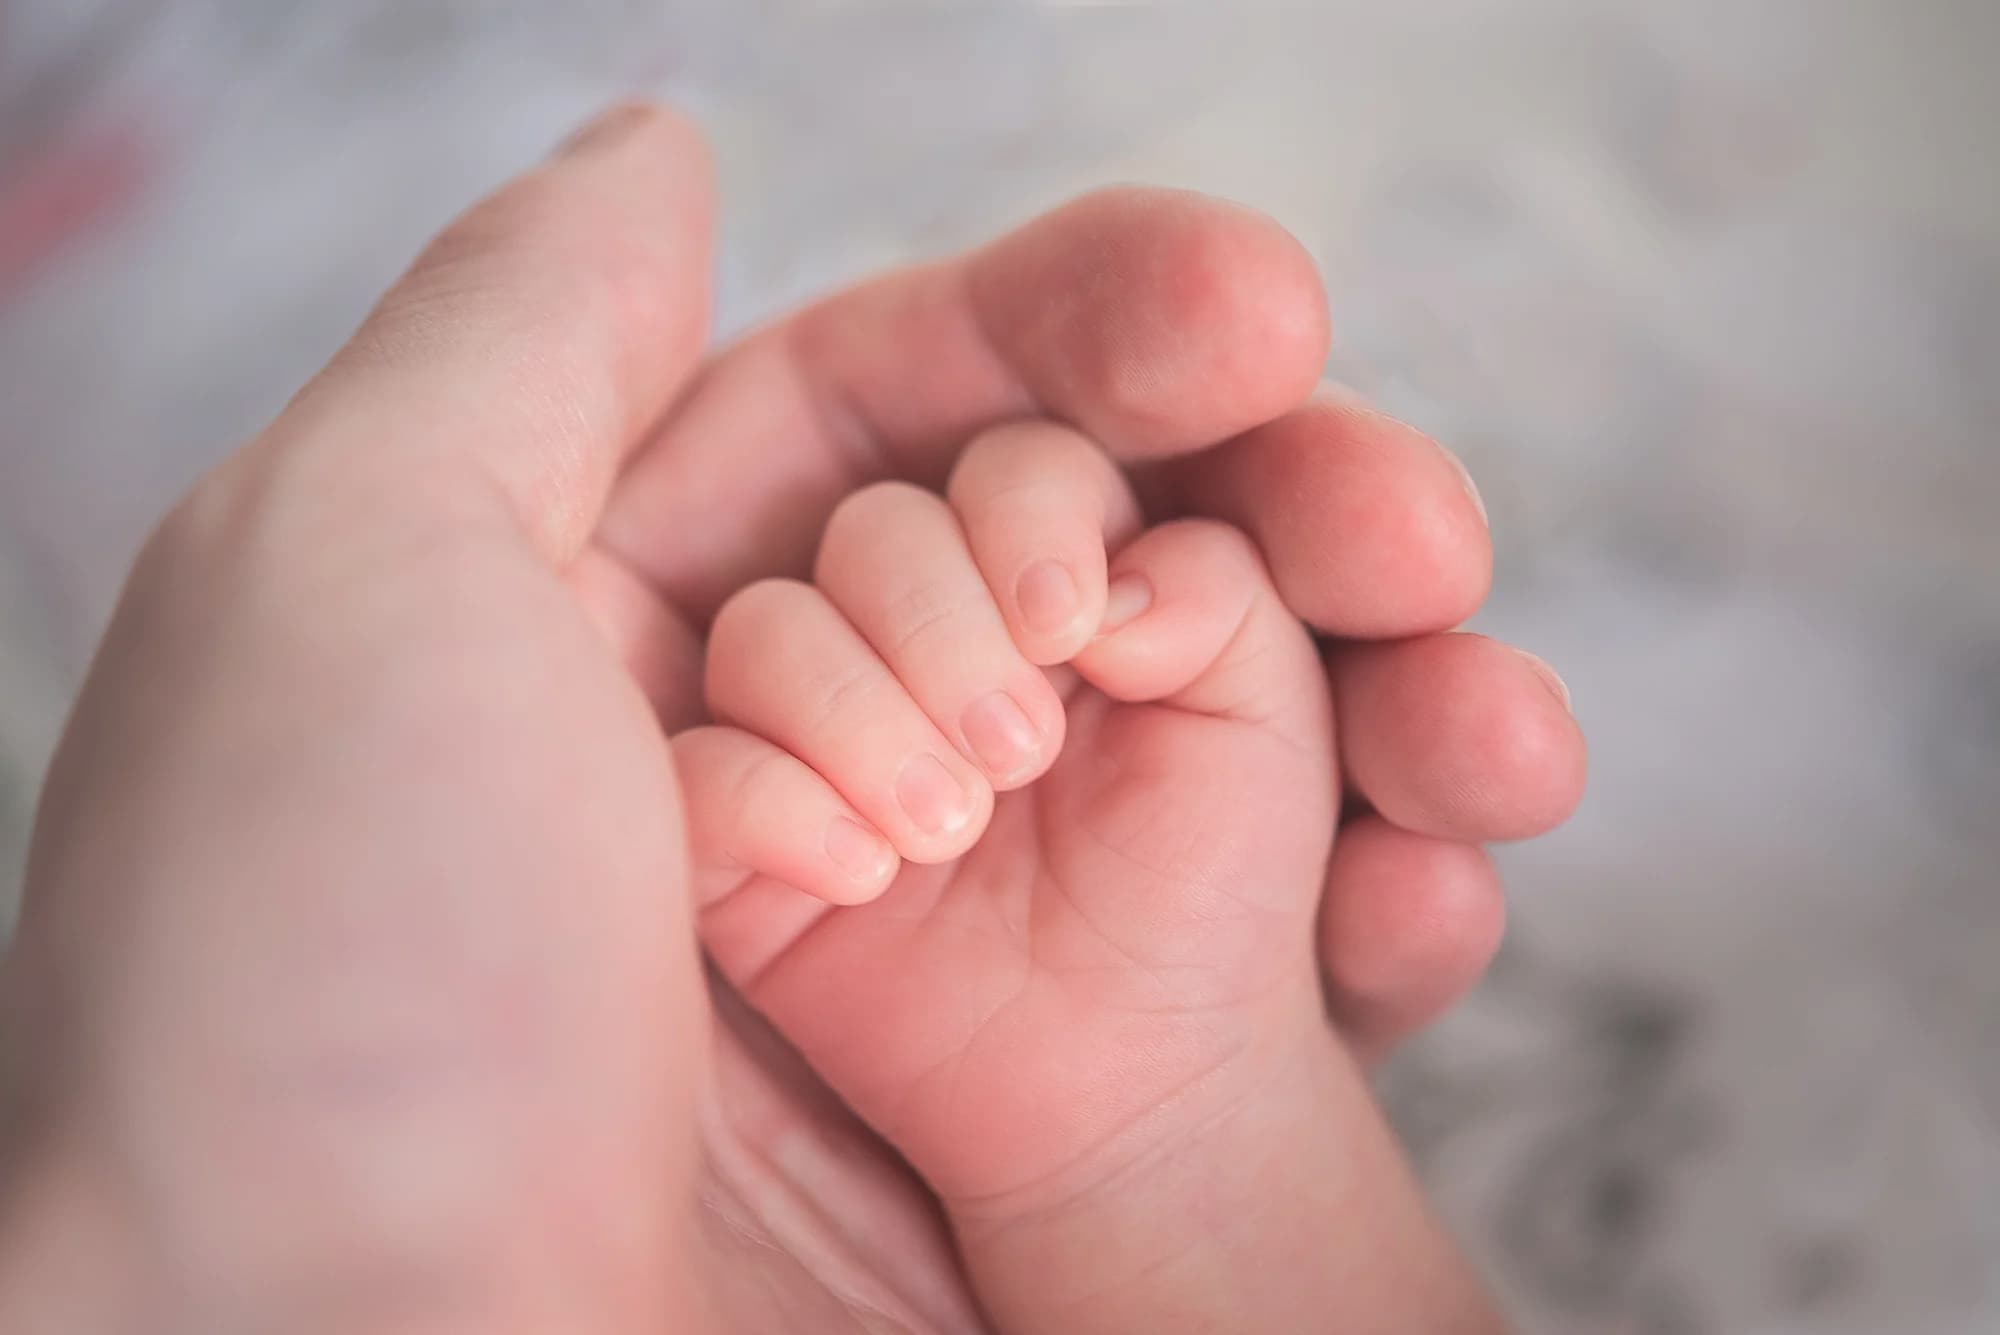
[1708, 295]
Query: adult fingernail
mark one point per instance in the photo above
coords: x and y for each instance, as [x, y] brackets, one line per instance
[1048, 597]
[1000, 734]
[857, 850]
[1471, 488]
[606, 127]
[1550, 678]
[932, 799]
[1127, 598]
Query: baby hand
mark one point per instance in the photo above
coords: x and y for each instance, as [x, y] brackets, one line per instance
[1038, 924]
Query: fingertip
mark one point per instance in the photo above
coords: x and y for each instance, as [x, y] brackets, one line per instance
[1171, 605]
[629, 120]
[1551, 763]
[1415, 553]
[1191, 621]
[1550, 678]
[1371, 529]
[735, 635]
[1458, 736]
[1529, 743]
[945, 804]
[1054, 608]
[1206, 317]
[594, 270]
[867, 862]
[1039, 503]
[1127, 597]
[1408, 927]
[756, 810]
[1014, 740]
[1246, 304]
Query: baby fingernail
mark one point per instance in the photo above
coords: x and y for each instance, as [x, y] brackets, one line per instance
[857, 850]
[1557, 686]
[1124, 601]
[1001, 735]
[931, 797]
[1048, 598]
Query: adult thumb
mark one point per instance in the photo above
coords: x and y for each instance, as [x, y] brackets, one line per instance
[532, 344]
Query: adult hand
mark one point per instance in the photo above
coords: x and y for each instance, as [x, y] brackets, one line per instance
[356, 984]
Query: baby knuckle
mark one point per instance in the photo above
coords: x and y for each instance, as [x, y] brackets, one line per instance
[750, 614]
[861, 516]
[762, 780]
[917, 613]
[837, 698]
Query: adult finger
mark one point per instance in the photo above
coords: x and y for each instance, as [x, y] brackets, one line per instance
[1370, 528]
[1408, 925]
[1457, 736]
[1154, 321]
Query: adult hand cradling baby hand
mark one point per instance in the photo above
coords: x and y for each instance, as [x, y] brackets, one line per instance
[359, 985]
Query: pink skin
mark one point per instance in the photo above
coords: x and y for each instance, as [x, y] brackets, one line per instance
[1120, 962]
[360, 879]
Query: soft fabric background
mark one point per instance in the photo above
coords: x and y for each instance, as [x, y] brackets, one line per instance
[1707, 294]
